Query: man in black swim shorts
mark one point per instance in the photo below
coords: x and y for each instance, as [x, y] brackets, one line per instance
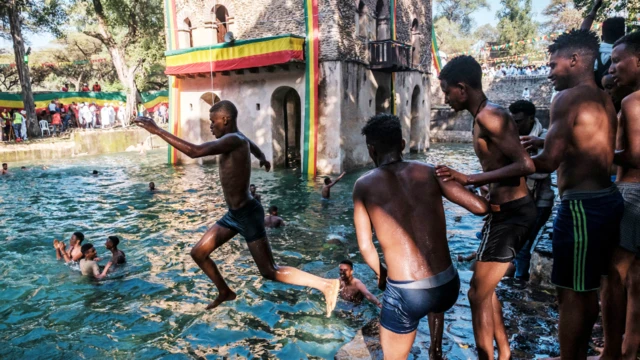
[246, 215]
[403, 202]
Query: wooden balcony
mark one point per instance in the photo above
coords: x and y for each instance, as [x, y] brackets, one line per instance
[389, 56]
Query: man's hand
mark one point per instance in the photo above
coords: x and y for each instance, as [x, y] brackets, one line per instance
[266, 164]
[532, 142]
[147, 124]
[448, 174]
[597, 5]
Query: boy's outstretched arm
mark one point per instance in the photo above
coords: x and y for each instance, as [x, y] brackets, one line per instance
[225, 144]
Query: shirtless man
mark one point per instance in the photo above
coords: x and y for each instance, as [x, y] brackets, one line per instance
[117, 256]
[152, 186]
[272, 220]
[580, 145]
[403, 201]
[252, 190]
[5, 169]
[74, 253]
[352, 289]
[625, 71]
[513, 212]
[246, 215]
[328, 184]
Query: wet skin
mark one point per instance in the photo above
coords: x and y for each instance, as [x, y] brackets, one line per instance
[505, 164]
[73, 254]
[623, 284]
[234, 150]
[273, 221]
[403, 202]
[326, 189]
[352, 289]
[580, 145]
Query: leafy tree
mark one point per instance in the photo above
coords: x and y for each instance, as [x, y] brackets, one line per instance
[562, 15]
[132, 31]
[487, 33]
[29, 14]
[450, 37]
[516, 24]
[459, 12]
[611, 8]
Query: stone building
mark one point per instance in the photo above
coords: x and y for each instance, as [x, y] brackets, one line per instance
[262, 69]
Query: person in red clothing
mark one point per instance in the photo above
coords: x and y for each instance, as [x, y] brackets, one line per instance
[96, 87]
[85, 87]
[65, 88]
[56, 123]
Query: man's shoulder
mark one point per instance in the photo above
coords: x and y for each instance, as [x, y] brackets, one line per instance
[632, 99]
[492, 112]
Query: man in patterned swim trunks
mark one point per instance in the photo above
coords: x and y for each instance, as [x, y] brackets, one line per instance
[246, 215]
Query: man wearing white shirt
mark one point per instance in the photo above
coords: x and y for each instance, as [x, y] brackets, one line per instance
[526, 94]
[105, 116]
[87, 115]
[121, 115]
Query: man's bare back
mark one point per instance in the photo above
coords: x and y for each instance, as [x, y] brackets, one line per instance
[399, 198]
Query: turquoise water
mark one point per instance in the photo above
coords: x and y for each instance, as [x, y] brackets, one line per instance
[154, 307]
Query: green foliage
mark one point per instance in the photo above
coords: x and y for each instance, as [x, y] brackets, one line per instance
[515, 24]
[459, 12]
[37, 16]
[562, 15]
[487, 33]
[450, 36]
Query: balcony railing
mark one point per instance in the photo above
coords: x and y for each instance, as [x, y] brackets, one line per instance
[389, 56]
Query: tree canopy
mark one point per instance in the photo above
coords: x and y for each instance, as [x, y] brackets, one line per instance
[459, 12]
[516, 24]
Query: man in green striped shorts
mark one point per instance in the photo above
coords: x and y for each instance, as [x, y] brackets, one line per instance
[580, 145]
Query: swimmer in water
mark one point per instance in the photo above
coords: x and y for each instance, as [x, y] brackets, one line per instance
[88, 264]
[94, 173]
[272, 220]
[328, 184]
[74, 253]
[403, 202]
[246, 215]
[252, 190]
[352, 289]
[117, 256]
[152, 186]
[5, 169]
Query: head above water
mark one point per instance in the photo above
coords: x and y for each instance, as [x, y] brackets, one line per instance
[252, 189]
[77, 238]
[88, 251]
[383, 134]
[459, 80]
[273, 210]
[572, 56]
[625, 60]
[112, 242]
[5, 166]
[524, 114]
[223, 116]
[327, 180]
[346, 269]
[152, 186]
[94, 172]
[613, 29]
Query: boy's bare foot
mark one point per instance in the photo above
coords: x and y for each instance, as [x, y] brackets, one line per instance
[331, 295]
[220, 299]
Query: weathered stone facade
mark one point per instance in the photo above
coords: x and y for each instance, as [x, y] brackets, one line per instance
[349, 91]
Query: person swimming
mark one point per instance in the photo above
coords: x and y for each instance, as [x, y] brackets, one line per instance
[328, 184]
[273, 220]
[117, 256]
[88, 264]
[352, 289]
[74, 253]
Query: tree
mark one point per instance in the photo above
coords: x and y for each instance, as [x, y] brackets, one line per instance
[453, 40]
[132, 31]
[611, 8]
[459, 12]
[31, 14]
[563, 16]
[487, 33]
[516, 24]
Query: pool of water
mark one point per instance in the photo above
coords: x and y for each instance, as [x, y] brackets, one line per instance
[154, 307]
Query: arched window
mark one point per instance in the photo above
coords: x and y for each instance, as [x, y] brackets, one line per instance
[184, 34]
[221, 16]
[382, 20]
[415, 43]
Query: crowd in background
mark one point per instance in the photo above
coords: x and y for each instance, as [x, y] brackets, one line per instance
[513, 70]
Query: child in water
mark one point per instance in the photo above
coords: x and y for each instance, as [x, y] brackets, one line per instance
[88, 265]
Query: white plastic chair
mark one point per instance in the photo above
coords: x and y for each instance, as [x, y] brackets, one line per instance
[44, 126]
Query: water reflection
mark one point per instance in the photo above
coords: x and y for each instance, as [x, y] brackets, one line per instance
[155, 306]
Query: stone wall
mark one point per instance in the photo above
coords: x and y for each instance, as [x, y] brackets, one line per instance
[80, 143]
[505, 91]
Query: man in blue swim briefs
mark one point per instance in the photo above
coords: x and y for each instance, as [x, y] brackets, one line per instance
[246, 215]
[403, 202]
[580, 145]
